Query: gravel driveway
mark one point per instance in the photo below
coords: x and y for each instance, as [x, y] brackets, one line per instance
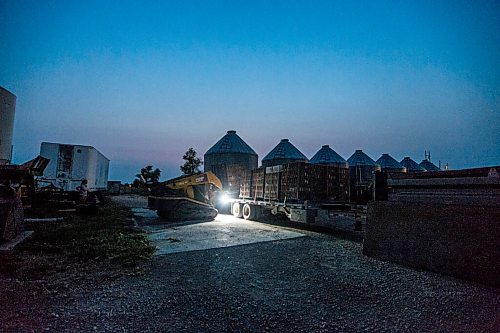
[315, 283]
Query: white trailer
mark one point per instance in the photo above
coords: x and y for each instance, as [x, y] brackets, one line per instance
[70, 164]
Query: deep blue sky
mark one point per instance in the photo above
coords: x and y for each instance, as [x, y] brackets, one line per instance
[143, 81]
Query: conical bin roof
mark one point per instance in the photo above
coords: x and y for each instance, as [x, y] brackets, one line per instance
[429, 166]
[285, 151]
[231, 143]
[411, 165]
[327, 155]
[387, 162]
[360, 158]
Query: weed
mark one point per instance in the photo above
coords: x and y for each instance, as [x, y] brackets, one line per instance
[108, 236]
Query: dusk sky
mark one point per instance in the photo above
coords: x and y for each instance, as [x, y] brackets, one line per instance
[142, 81]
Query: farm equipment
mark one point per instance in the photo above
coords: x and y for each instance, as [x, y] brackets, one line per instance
[186, 198]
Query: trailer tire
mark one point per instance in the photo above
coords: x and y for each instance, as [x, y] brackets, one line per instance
[236, 210]
[249, 212]
[258, 212]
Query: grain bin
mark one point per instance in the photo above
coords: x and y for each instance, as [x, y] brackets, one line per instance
[429, 166]
[361, 169]
[411, 165]
[7, 111]
[335, 179]
[389, 164]
[230, 158]
[283, 153]
[328, 156]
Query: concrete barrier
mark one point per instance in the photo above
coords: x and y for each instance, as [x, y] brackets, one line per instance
[458, 240]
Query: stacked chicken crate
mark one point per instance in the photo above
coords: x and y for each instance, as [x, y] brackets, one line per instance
[336, 183]
[252, 186]
[258, 183]
[272, 183]
[302, 181]
[234, 175]
[296, 182]
[246, 184]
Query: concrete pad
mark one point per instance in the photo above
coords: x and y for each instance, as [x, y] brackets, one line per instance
[131, 200]
[145, 213]
[224, 231]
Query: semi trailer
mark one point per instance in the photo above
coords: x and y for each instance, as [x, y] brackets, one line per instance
[302, 191]
[70, 164]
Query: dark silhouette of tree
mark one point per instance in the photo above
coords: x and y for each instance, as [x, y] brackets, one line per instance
[148, 176]
[192, 164]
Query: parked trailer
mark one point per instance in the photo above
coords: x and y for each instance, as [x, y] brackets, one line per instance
[70, 164]
[302, 191]
[306, 212]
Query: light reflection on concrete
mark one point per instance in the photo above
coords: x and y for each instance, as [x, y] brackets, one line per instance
[145, 213]
[224, 231]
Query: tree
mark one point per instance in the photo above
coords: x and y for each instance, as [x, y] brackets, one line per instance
[148, 176]
[192, 164]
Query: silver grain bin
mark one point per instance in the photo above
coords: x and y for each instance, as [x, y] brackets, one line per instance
[283, 153]
[229, 159]
[7, 112]
[361, 170]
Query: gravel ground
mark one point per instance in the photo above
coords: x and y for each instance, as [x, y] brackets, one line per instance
[317, 283]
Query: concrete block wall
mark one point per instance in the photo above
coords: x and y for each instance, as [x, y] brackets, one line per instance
[457, 240]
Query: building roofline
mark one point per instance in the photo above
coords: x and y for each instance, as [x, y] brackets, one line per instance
[76, 145]
[2, 88]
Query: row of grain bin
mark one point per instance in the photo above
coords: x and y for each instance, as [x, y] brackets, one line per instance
[287, 173]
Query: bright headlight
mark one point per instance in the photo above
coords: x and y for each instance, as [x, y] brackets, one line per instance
[224, 198]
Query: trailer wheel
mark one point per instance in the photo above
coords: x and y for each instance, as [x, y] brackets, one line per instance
[258, 212]
[236, 210]
[249, 212]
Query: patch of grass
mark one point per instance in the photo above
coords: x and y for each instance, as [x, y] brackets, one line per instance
[106, 236]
